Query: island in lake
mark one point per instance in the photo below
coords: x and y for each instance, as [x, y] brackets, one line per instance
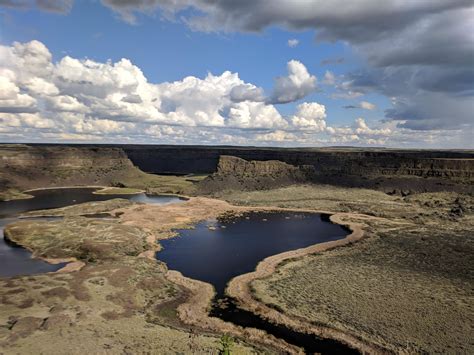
[198, 249]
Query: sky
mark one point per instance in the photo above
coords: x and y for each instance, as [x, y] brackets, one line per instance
[253, 72]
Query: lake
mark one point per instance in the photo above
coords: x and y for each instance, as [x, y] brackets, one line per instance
[217, 251]
[15, 260]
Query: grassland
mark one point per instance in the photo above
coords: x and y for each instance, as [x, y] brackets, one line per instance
[121, 301]
[406, 287]
[125, 307]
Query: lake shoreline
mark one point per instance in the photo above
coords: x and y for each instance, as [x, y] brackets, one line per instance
[239, 288]
[195, 310]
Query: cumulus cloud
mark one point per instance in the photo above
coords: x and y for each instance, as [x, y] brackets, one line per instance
[82, 96]
[298, 84]
[293, 42]
[310, 116]
[12, 101]
[255, 115]
[246, 92]
[84, 100]
[360, 133]
[417, 45]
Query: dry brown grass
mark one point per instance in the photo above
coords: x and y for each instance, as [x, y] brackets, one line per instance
[407, 287]
[109, 308]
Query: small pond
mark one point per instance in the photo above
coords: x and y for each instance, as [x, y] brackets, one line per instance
[217, 251]
[15, 260]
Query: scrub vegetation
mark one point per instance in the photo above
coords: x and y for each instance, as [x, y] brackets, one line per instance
[120, 302]
[406, 287]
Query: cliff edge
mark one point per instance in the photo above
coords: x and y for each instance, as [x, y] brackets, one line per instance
[234, 173]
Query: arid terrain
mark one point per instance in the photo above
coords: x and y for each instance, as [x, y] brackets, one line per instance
[404, 287]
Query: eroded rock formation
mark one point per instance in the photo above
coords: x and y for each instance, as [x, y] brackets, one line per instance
[240, 174]
[24, 166]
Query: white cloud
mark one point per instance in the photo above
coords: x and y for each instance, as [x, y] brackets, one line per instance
[367, 105]
[293, 42]
[84, 100]
[40, 86]
[11, 100]
[329, 78]
[247, 92]
[255, 115]
[310, 116]
[84, 96]
[298, 84]
[362, 128]
[66, 103]
[276, 136]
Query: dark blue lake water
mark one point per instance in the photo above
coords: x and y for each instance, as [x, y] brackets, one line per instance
[15, 260]
[236, 247]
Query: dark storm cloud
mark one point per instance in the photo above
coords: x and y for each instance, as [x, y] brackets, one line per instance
[416, 51]
[58, 6]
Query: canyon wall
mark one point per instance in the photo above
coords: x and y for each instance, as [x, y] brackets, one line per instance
[238, 174]
[198, 159]
[24, 166]
[385, 169]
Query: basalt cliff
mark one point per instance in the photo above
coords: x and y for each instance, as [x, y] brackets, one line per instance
[26, 167]
[389, 170]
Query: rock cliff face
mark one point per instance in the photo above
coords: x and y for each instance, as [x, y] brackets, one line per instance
[384, 169]
[389, 170]
[271, 168]
[237, 173]
[23, 166]
[441, 174]
[452, 165]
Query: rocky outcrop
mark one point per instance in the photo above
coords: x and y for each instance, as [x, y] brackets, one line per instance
[270, 168]
[23, 166]
[237, 173]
